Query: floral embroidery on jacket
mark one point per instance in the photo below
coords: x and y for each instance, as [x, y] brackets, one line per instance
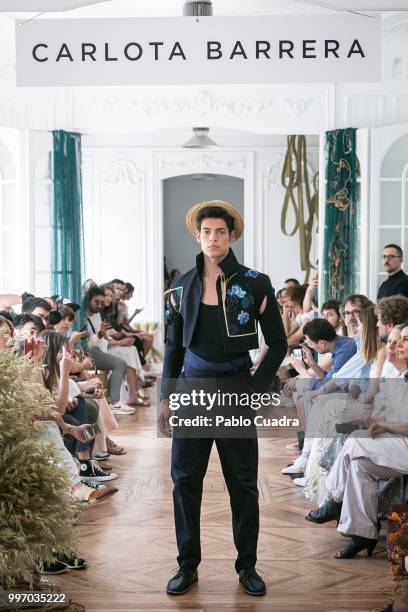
[252, 273]
[239, 305]
[243, 317]
[236, 290]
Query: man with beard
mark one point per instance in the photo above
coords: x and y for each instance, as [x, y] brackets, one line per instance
[397, 281]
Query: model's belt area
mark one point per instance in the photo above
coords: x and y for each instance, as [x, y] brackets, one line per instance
[197, 367]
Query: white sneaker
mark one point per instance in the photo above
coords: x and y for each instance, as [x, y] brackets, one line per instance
[298, 466]
[300, 482]
[122, 409]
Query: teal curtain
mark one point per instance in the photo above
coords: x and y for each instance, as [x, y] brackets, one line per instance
[68, 243]
[341, 219]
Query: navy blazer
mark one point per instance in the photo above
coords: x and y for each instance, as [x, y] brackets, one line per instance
[241, 292]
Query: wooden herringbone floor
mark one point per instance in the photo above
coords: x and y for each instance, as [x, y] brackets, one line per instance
[129, 541]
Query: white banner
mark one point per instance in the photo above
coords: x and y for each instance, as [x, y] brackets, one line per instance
[190, 50]
[44, 5]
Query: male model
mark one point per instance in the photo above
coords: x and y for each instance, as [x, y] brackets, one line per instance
[212, 316]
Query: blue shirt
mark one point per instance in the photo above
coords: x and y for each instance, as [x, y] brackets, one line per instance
[344, 349]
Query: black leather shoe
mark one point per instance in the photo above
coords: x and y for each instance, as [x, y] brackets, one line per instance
[252, 582]
[182, 582]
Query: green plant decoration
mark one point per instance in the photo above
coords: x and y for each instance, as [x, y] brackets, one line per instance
[37, 514]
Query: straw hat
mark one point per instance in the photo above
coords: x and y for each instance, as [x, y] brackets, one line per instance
[192, 213]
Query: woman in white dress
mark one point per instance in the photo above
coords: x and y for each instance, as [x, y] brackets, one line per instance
[367, 457]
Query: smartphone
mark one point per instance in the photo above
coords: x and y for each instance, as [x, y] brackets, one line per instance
[84, 328]
[297, 352]
[92, 431]
[28, 345]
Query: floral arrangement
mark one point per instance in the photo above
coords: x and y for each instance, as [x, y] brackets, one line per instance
[37, 513]
[397, 541]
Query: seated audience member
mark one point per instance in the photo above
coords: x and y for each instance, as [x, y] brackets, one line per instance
[340, 399]
[128, 295]
[57, 362]
[37, 306]
[350, 308]
[117, 314]
[293, 314]
[397, 281]
[122, 316]
[67, 315]
[322, 338]
[368, 360]
[119, 356]
[366, 458]
[94, 302]
[311, 296]
[106, 420]
[331, 312]
[281, 298]
[291, 282]
[26, 328]
[391, 311]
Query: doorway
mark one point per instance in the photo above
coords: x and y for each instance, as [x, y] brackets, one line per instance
[179, 194]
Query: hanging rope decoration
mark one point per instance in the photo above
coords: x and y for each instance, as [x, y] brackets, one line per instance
[295, 180]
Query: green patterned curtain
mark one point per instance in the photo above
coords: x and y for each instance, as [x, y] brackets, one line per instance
[68, 244]
[341, 220]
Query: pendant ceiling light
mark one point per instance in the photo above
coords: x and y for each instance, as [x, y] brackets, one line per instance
[200, 140]
[197, 8]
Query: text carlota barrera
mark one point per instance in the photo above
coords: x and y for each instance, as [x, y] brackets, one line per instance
[213, 50]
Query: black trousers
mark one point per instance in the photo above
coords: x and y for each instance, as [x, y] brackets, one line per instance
[239, 461]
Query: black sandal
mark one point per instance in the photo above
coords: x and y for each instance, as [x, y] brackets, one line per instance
[356, 545]
[330, 511]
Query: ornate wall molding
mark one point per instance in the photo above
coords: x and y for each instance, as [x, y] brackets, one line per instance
[273, 176]
[203, 162]
[202, 104]
[297, 106]
[274, 173]
[395, 27]
[123, 171]
[105, 106]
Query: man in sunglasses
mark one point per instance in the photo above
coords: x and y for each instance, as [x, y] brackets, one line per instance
[397, 281]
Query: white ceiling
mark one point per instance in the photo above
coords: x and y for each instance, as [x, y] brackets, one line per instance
[164, 8]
